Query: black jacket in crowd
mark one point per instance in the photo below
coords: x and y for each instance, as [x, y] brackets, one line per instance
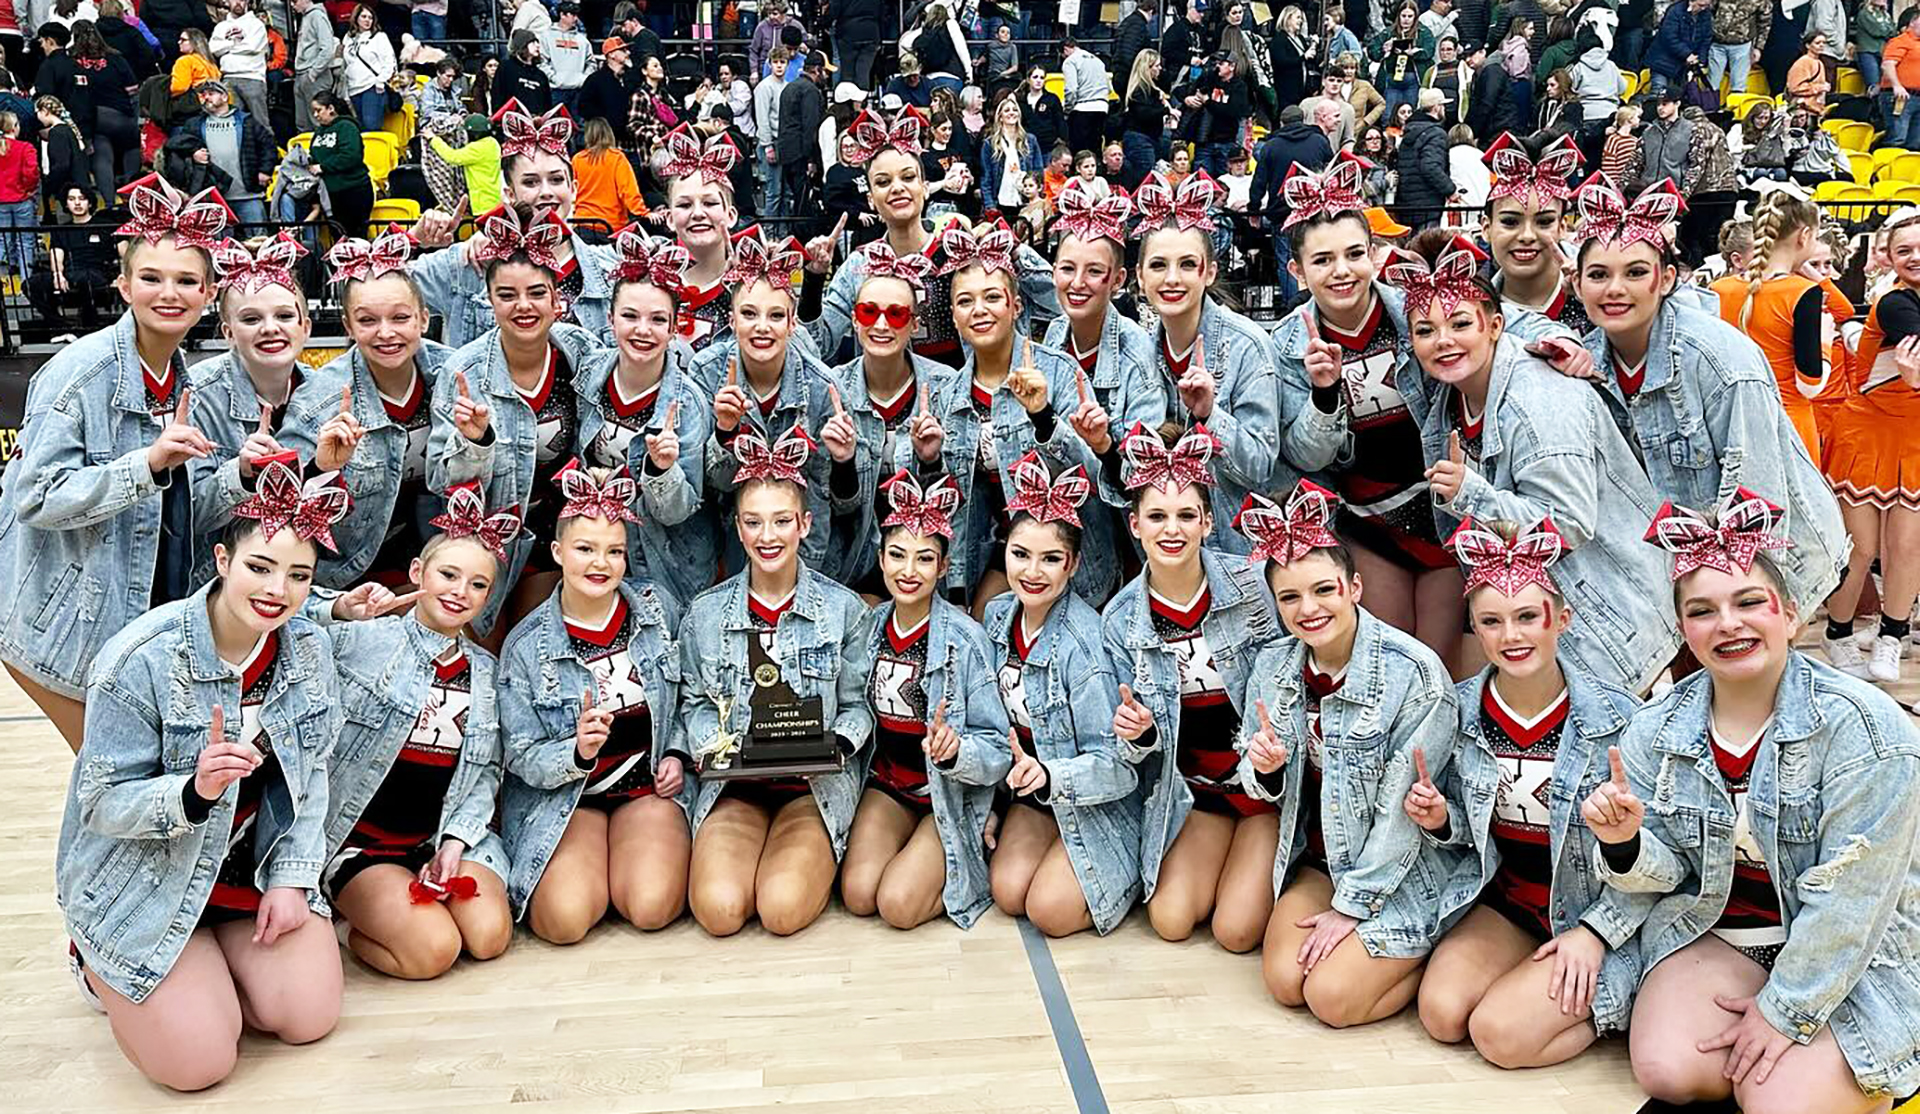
[1425, 180]
[524, 83]
[854, 22]
[607, 96]
[1301, 143]
[802, 107]
[1491, 107]
[1133, 36]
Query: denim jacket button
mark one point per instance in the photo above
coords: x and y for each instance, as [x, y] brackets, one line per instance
[1806, 1028]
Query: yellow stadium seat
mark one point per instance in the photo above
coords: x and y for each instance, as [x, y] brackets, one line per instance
[1861, 165]
[1849, 81]
[1831, 191]
[1633, 85]
[1854, 203]
[1057, 85]
[404, 210]
[1740, 103]
[1757, 82]
[1854, 134]
[1907, 193]
[1888, 189]
[1905, 167]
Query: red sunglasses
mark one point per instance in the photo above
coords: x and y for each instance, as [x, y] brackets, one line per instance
[868, 313]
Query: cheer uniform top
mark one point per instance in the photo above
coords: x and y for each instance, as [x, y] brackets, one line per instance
[234, 896]
[1012, 681]
[987, 486]
[897, 695]
[571, 284]
[1875, 458]
[704, 315]
[769, 793]
[623, 770]
[1204, 754]
[626, 419]
[414, 416]
[1525, 750]
[1786, 320]
[1318, 687]
[557, 427]
[933, 333]
[1751, 921]
[173, 564]
[1562, 309]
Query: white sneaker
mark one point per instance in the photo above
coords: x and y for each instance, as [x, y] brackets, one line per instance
[1846, 655]
[79, 970]
[1885, 664]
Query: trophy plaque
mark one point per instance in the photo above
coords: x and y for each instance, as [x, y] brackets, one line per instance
[786, 734]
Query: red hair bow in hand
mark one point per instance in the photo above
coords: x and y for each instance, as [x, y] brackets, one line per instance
[466, 517]
[713, 161]
[460, 887]
[924, 511]
[1047, 498]
[757, 259]
[159, 210]
[961, 247]
[1311, 195]
[1092, 218]
[1606, 216]
[645, 258]
[1285, 536]
[353, 259]
[279, 502]
[505, 236]
[522, 133]
[1747, 525]
[243, 270]
[1147, 459]
[873, 133]
[612, 500]
[913, 268]
[1190, 206]
[786, 459]
[1450, 281]
[1509, 566]
[1532, 183]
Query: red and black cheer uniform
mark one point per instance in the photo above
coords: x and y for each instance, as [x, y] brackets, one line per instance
[769, 793]
[1472, 429]
[1522, 809]
[557, 427]
[1205, 754]
[623, 770]
[570, 285]
[173, 561]
[234, 896]
[1319, 686]
[414, 417]
[1384, 481]
[704, 315]
[626, 419]
[1630, 377]
[933, 333]
[898, 698]
[1013, 679]
[401, 823]
[1751, 921]
[1565, 309]
[987, 487]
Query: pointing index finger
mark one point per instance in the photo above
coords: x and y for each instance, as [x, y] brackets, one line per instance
[733, 371]
[1080, 380]
[1266, 723]
[921, 402]
[182, 407]
[1420, 766]
[833, 392]
[1312, 323]
[673, 414]
[1455, 453]
[266, 418]
[460, 384]
[217, 728]
[1617, 766]
[346, 399]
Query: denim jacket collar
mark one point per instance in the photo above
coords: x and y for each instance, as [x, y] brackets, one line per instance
[130, 389]
[1506, 356]
[367, 407]
[426, 645]
[1106, 365]
[556, 646]
[204, 661]
[1660, 356]
[1290, 338]
[593, 271]
[806, 600]
[1594, 716]
[1367, 666]
[575, 344]
[243, 398]
[590, 377]
[941, 622]
[1795, 713]
[1226, 586]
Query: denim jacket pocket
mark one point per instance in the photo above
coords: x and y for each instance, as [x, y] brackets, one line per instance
[1799, 820]
[59, 599]
[1681, 826]
[1684, 451]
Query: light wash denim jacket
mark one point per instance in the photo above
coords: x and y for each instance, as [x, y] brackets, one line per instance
[1396, 696]
[1039, 303]
[657, 549]
[506, 462]
[960, 673]
[226, 408]
[1238, 623]
[133, 874]
[1832, 806]
[457, 291]
[1123, 379]
[386, 671]
[79, 511]
[1547, 448]
[541, 681]
[822, 651]
[1071, 694]
[1597, 714]
[373, 472]
[855, 548]
[1708, 419]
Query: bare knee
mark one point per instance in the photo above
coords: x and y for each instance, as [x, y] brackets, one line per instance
[198, 1068]
[1336, 1008]
[1010, 889]
[1445, 1014]
[903, 909]
[1285, 980]
[1057, 914]
[1238, 934]
[860, 886]
[786, 907]
[1502, 1039]
[722, 908]
[302, 1018]
[565, 918]
[1675, 1079]
[651, 911]
[428, 950]
[1172, 918]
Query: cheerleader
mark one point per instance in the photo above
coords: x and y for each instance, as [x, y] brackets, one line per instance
[189, 861]
[1533, 740]
[1509, 439]
[940, 737]
[374, 401]
[1068, 853]
[701, 214]
[1370, 705]
[508, 414]
[96, 522]
[417, 871]
[1525, 224]
[1762, 812]
[1182, 637]
[641, 409]
[1693, 397]
[771, 847]
[597, 775]
[1828, 259]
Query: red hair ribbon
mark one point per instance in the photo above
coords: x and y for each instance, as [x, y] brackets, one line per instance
[522, 133]
[1149, 461]
[1532, 183]
[159, 210]
[654, 259]
[1285, 536]
[243, 270]
[913, 268]
[785, 459]
[1606, 216]
[1509, 566]
[612, 500]
[505, 236]
[1747, 524]
[460, 887]
[279, 501]
[1190, 206]
[1311, 195]
[1448, 281]
[466, 517]
[962, 247]
[712, 161]
[1047, 498]
[757, 259]
[353, 259]
[1090, 218]
[924, 511]
[873, 133]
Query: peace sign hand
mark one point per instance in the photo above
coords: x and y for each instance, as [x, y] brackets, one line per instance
[1029, 387]
[470, 416]
[1265, 749]
[942, 743]
[1445, 478]
[179, 442]
[1323, 357]
[1613, 812]
[663, 448]
[222, 763]
[1091, 420]
[838, 433]
[928, 435]
[1196, 383]
[1424, 804]
[260, 444]
[1028, 776]
[1131, 719]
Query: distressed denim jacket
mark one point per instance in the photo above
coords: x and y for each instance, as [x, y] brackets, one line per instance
[373, 473]
[457, 290]
[1123, 380]
[1039, 303]
[856, 527]
[133, 874]
[80, 510]
[541, 681]
[1831, 806]
[1071, 694]
[960, 673]
[1708, 419]
[226, 408]
[822, 650]
[1396, 696]
[1473, 783]
[386, 675]
[1239, 621]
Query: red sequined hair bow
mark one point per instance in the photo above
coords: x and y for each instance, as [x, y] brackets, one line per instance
[505, 236]
[1508, 566]
[1517, 176]
[924, 511]
[279, 501]
[1284, 536]
[786, 459]
[466, 517]
[1746, 527]
[612, 500]
[522, 133]
[1309, 195]
[1448, 281]
[757, 259]
[712, 161]
[873, 133]
[913, 268]
[1090, 218]
[1159, 204]
[1147, 460]
[1606, 216]
[159, 210]
[654, 259]
[355, 259]
[247, 271]
[961, 247]
[1047, 498]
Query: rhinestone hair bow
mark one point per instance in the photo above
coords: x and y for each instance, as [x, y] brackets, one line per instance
[924, 511]
[279, 501]
[1285, 535]
[1311, 195]
[159, 210]
[505, 236]
[1159, 204]
[522, 133]
[712, 161]
[645, 258]
[1606, 216]
[961, 248]
[1047, 498]
[1508, 566]
[786, 459]
[873, 133]
[353, 259]
[1092, 218]
[757, 259]
[466, 517]
[247, 271]
[913, 268]
[1147, 460]
[1528, 181]
[1747, 525]
[1449, 281]
[612, 500]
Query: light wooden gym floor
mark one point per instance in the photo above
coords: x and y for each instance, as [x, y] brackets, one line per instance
[847, 1016]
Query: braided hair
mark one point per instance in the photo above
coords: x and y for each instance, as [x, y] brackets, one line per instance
[53, 106]
[1776, 219]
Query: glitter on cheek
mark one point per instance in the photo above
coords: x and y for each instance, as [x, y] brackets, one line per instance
[1773, 602]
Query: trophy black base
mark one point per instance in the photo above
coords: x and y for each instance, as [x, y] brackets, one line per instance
[760, 767]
